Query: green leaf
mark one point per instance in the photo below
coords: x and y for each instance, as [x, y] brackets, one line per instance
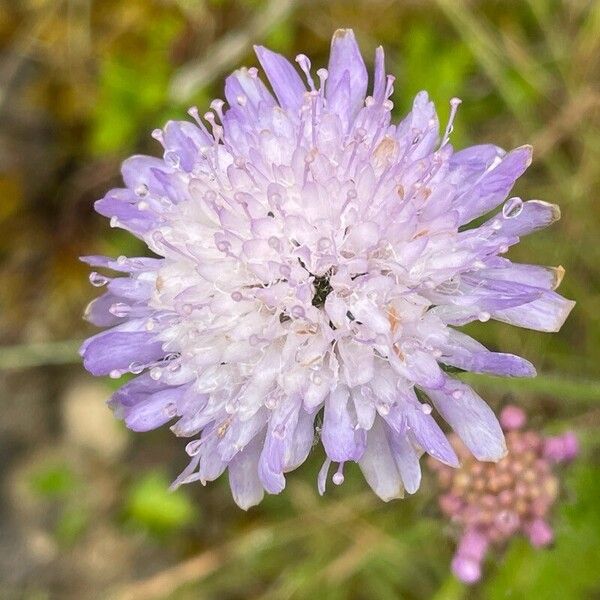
[53, 481]
[150, 506]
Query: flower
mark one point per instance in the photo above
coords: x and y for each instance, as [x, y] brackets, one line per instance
[494, 502]
[312, 256]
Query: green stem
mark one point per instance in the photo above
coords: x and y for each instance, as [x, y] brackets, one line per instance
[581, 390]
[39, 355]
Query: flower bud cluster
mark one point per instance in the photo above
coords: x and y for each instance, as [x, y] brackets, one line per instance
[491, 502]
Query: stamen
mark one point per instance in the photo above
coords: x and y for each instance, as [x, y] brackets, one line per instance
[158, 135]
[389, 86]
[338, 476]
[217, 130]
[195, 114]
[322, 477]
[305, 65]
[217, 105]
[322, 74]
[454, 104]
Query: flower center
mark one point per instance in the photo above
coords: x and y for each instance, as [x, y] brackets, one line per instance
[322, 289]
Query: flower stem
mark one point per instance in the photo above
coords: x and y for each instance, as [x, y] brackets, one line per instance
[580, 390]
[39, 354]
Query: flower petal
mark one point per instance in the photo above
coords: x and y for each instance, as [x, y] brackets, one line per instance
[345, 58]
[283, 77]
[152, 410]
[379, 466]
[430, 437]
[357, 361]
[493, 186]
[547, 313]
[245, 484]
[471, 418]
[341, 440]
[117, 350]
[407, 461]
[97, 311]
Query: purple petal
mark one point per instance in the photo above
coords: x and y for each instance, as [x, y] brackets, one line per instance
[547, 313]
[495, 363]
[152, 174]
[152, 410]
[471, 418]
[131, 288]
[123, 264]
[419, 367]
[463, 352]
[117, 350]
[128, 394]
[240, 433]
[272, 480]
[345, 58]
[490, 294]
[247, 94]
[283, 77]
[533, 216]
[547, 278]
[493, 186]
[340, 100]
[301, 442]
[407, 461]
[430, 437]
[341, 440]
[379, 80]
[97, 311]
[211, 465]
[322, 476]
[278, 444]
[420, 129]
[187, 475]
[119, 205]
[184, 140]
[357, 361]
[245, 484]
[468, 165]
[379, 466]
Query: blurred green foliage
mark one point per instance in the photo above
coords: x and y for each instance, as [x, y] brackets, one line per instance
[71, 525]
[132, 89]
[53, 481]
[151, 507]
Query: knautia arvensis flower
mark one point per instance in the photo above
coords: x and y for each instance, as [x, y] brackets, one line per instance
[312, 257]
[491, 503]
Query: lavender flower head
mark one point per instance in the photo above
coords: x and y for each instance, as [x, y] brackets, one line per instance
[493, 502]
[312, 256]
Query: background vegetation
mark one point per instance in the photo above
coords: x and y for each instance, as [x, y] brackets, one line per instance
[84, 511]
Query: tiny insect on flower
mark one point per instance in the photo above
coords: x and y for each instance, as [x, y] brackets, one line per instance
[313, 257]
[490, 503]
